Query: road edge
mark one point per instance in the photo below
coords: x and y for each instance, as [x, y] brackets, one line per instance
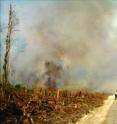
[99, 114]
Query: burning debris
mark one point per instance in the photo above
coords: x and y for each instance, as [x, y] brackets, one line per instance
[46, 106]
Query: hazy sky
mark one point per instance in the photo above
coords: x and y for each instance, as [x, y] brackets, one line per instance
[80, 34]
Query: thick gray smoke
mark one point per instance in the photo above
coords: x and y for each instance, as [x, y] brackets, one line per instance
[78, 35]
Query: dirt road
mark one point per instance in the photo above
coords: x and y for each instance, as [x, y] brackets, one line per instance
[105, 114]
[111, 117]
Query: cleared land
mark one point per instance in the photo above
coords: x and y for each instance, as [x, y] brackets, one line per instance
[47, 106]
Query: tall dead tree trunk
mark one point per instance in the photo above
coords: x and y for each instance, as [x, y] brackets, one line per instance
[8, 45]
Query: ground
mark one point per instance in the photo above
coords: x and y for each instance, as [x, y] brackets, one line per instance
[111, 117]
[103, 115]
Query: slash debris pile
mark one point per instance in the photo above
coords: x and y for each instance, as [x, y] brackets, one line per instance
[47, 106]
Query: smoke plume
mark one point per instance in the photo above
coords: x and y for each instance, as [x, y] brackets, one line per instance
[79, 36]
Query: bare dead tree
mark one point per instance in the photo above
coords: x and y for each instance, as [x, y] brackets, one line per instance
[53, 71]
[11, 25]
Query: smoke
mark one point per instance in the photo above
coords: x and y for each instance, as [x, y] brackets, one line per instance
[78, 35]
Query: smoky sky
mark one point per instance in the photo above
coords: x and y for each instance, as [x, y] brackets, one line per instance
[79, 35]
